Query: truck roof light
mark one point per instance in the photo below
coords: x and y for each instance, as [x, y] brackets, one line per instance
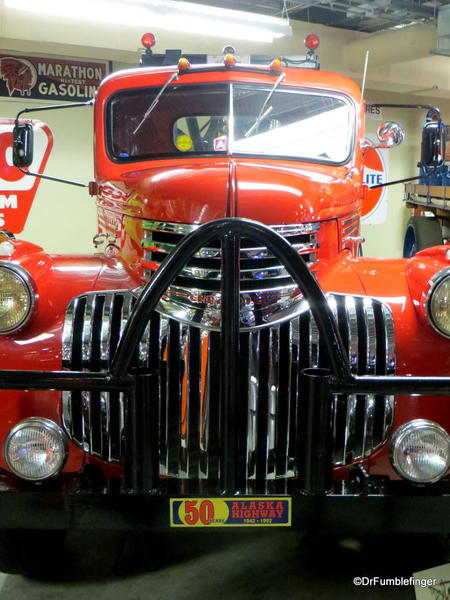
[228, 50]
[184, 64]
[148, 40]
[276, 65]
[229, 60]
[312, 41]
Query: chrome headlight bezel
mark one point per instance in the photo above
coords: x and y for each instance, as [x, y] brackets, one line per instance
[24, 278]
[435, 282]
[48, 425]
[408, 428]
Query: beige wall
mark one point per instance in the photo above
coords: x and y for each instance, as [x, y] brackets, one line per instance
[63, 217]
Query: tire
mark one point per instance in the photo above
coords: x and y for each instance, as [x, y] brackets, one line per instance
[421, 233]
[34, 553]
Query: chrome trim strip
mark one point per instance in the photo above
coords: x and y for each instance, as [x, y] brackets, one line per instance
[105, 329]
[105, 420]
[313, 342]
[353, 355]
[86, 422]
[350, 230]
[367, 445]
[185, 228]
[352, 322]
[350, 429]
[214, 253]
[183, 468]
[390, 358]
[273, 398]
[67, 417]
[67, 336]
[350, 219]
[181, 228]
[186, 292]
[86, 338]
[371, 335]
[125, 312]
[253, 392]
[390, 339]
[121, 420]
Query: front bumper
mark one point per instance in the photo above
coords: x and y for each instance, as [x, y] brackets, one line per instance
[401, 509]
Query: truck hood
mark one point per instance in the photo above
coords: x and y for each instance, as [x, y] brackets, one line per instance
[204, 190]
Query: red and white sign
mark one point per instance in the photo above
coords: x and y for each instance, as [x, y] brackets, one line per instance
[374, 209]
[17, 190]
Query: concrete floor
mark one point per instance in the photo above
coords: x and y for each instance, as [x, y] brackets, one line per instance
[240, 566]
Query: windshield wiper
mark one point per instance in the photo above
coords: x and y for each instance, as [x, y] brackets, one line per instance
[156, 100]
[263, 112]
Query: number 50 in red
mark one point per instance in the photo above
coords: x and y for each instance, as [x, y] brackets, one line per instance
[203, 513]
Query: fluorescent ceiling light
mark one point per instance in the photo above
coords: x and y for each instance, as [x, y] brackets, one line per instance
[183, 17]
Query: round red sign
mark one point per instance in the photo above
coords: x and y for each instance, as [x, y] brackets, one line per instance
[374, 174]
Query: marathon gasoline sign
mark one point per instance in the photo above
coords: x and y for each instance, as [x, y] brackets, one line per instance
[17, 190]
[49, 78]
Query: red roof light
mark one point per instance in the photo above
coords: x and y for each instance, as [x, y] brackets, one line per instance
[148, 40]
[312, 41]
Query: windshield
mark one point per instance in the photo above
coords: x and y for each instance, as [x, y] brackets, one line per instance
[232, 119]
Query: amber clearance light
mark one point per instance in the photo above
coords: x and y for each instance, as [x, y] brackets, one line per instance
[184, 64]
[229, 60]
[276, 65]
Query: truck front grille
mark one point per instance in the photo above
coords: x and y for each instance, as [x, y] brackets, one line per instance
[260, 270]
[267, 292]
[188, 365]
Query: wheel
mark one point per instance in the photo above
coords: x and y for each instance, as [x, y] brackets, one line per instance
[34, 553]
[421, 233]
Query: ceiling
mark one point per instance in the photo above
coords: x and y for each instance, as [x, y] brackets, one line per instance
[360, 15]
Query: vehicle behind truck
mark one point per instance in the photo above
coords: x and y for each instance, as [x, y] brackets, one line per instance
[225, 358]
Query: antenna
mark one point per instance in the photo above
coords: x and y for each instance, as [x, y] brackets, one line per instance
[366, 62]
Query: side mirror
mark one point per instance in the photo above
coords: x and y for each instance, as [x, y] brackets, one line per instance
[22, 145]
[434, 139]
[390, 134]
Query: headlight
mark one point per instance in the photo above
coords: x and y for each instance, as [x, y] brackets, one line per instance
[35, 449]
[438, 302]
[420, 451]
[17, 297]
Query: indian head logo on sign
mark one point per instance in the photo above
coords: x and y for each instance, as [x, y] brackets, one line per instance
[19, 75]
[374, 209]
[17, 190]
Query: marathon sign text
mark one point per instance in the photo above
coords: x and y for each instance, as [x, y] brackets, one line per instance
[230, 512]
[49, 78]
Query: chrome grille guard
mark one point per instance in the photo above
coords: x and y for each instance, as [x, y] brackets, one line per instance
[314, 448]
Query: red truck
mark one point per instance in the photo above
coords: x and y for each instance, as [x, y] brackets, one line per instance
[227, 358]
